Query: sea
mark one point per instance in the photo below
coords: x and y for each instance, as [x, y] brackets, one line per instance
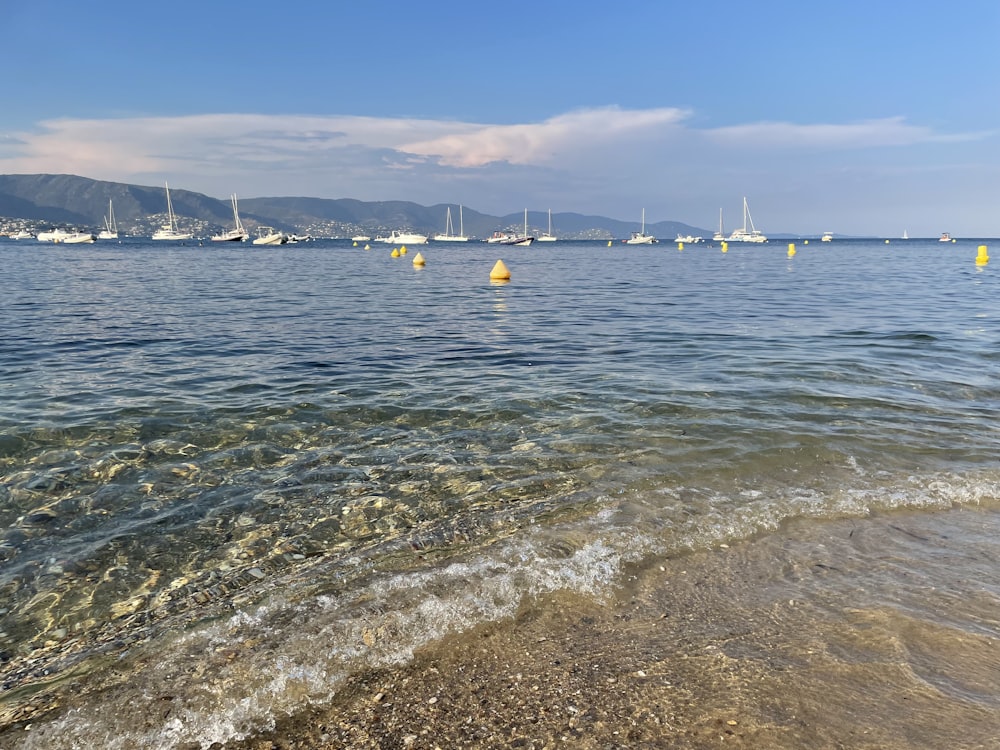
[232, 476]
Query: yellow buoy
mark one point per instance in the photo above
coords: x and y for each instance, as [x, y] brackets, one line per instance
[368, 247]
[981, 257]
[418, 259]
[791, 249]
[806, 242]
[887, 242]
[680, 245]
[402, 250]
[499, 272]
[355, 244]
[394, 253]
[725, 247]
[609, 243]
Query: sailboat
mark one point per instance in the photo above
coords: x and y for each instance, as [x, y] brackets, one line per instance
[742, 235]
[641, 238]
[720, 236]
[449, 229]
[237, 233]
[110, 231]
[905, 235]
[169, 231]
[548, 236]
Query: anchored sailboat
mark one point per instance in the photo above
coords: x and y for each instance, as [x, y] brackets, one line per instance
[110, 231]
[449, 229]
[237, 233]
[169, 231]
[742, 235]
[640, 237]
[548, 236]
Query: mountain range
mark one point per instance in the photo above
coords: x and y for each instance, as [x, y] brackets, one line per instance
[47, 200]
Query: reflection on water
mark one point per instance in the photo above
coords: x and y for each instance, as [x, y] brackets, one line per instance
[247, 435]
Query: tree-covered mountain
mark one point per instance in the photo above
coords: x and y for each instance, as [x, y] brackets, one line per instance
[69, 200]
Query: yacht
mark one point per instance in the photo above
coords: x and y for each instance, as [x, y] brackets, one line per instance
[61, 236]
[945, 237]
[269, 236]
[404, 238]
[513, 238]
[827, 237]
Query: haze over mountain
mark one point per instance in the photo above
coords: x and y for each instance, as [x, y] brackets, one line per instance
[83, 202]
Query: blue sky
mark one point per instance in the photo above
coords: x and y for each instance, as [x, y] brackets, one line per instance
[853, 117]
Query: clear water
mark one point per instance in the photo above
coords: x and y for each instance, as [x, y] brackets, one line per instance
[238, 474]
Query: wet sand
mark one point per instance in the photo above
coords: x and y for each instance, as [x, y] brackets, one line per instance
[877, 633]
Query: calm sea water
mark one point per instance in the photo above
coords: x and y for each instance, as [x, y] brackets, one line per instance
[239, 474]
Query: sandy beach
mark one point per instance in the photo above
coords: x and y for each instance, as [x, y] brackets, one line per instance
[774, 643]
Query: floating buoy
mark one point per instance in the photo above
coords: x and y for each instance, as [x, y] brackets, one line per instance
[394, 253]
[725, 247]
[368, 247]
[609, 243]
[355, 244]
[981, 257]
[680, 245]
[791, 249]
[418, 259]
[499, 272]
[806, 242]
[402, 250]
[887, 242]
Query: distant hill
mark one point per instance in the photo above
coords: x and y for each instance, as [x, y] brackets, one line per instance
[45, 200]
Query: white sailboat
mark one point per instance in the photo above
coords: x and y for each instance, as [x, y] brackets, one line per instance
[237, 233]
[720, 236]
[449, 229]
[640, 237]
[905, 235]
[169, 231]
[110, 231]
[548, 236]
[743, 235]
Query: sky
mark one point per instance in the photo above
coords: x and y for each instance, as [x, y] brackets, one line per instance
[858, 118]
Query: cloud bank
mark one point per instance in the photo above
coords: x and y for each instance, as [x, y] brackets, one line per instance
[604, 160]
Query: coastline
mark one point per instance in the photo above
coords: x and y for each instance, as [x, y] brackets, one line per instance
[759, 645]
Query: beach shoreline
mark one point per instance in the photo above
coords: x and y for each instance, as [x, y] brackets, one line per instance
[751, 646]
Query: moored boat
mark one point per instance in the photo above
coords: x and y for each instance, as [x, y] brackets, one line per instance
[747, 235]
[404, 238]
[640, 237]
[269, 236]
[238, 233]
[169, 231]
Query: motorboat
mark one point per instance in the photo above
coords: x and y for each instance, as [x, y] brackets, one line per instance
[688, 239]
[238, 233]
[404, 238]
[23, 234]
[945, 237]
[513, 238]
[827, 237]
[61, 236]
[169, 231]
[640, 237]
[361, 238]
[269, 236]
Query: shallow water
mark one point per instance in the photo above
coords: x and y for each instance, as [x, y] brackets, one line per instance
[278, 466]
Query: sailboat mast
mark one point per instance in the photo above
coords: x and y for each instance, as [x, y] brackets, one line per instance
[461, 222]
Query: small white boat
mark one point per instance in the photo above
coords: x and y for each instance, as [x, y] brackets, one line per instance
[23, 234]
[743, 234]
[268, 236]
[449, 229]
[404, 238]
[945, 237]
[548, 236]
[110, 231]
[61, 236]
[238, 233]
[361, 238]
[905, 235]
[169, 231]
[640, 237]
[688, 239]
[827, 237]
